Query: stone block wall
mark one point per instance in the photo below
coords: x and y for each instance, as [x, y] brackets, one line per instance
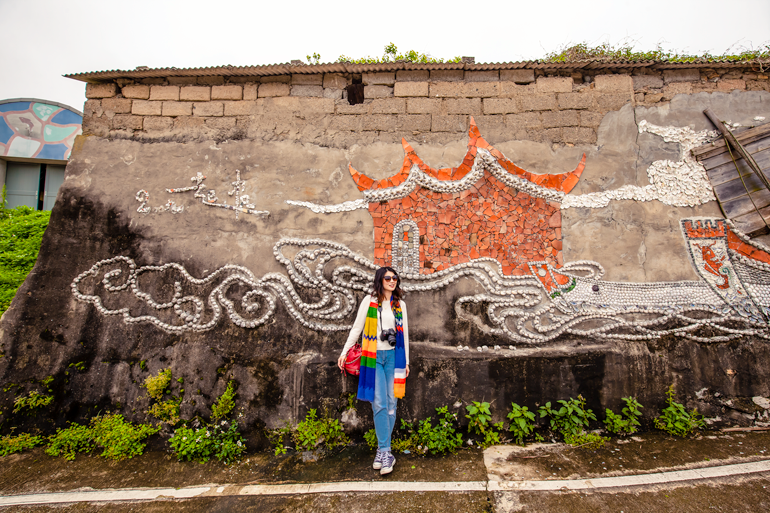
[433, 104]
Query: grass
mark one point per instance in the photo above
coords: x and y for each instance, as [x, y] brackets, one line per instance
[21, 232]
[625, 52]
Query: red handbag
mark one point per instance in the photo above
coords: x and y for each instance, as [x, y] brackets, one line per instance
[353, 360]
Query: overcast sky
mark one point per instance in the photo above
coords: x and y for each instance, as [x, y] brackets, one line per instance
[45, 39]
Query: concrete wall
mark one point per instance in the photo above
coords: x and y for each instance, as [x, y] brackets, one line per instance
[278, 283]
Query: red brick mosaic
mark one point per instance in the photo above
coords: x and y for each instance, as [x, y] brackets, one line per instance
[488, 219]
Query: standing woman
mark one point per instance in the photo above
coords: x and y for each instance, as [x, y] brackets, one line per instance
[384, 357]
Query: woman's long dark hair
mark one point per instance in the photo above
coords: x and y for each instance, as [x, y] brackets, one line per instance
[379, 290]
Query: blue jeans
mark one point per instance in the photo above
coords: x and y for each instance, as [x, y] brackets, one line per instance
[384, 404]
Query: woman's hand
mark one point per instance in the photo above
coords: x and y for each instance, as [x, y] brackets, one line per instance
[407, 371]
[341, 363]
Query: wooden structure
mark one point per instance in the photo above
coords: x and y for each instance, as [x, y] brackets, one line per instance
[742, 195]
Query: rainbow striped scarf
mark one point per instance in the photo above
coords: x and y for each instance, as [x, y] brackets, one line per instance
[366, 379]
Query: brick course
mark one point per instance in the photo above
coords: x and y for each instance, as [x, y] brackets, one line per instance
[101, 90]
[136, 91]
[195, 93]
[507, 104]
[159, 92]
[227, 92]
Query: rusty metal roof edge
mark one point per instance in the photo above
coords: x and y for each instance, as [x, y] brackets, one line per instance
[347, 67]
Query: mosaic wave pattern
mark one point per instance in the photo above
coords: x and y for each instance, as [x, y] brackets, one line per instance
[530, 310]
[37, 130]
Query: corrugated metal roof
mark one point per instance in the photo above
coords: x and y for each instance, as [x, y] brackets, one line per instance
[342, 67]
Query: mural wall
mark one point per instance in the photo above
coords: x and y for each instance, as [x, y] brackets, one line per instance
[246, 258]
[37, 130]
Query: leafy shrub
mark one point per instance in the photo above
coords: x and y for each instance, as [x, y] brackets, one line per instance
[120, 439]
[69, 441]
[370, 437]
[209, 441]
[522, 422]
[21, 231]
[626, 424]
[478, 417]
[677, 421]
[480, 422]
[571, 420]
[312, 432]
[31, 402]
[279, 436]
[166, 411]
[224, 404]
[442, 437]
[156, 385]
[13, 444]
[572, 417]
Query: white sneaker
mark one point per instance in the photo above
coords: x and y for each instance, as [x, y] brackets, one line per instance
[377, 465]
[388, 462]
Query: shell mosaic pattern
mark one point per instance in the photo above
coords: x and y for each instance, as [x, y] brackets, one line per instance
[682, 184]
[718, 251]
[32, 129]
[529, 310]
[209, 198]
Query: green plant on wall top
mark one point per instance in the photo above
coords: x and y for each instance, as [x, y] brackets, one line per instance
[677, 421]
[390, 54]
[624, 51]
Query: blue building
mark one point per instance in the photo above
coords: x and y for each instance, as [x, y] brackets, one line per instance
[36, 138]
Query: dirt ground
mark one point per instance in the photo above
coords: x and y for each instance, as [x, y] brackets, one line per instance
[34, 472]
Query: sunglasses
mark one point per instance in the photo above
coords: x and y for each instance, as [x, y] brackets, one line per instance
[388, 278]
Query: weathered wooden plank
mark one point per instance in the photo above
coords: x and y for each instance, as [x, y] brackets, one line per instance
[743, 204]
[724, 158]
[726, 172]
[733, 142]
[715, 148]
[735, 188]
[753, 224]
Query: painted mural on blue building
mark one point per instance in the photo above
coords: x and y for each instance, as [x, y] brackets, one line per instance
[31, 129]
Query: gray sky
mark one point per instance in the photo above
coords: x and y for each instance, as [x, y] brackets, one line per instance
[45, 39]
